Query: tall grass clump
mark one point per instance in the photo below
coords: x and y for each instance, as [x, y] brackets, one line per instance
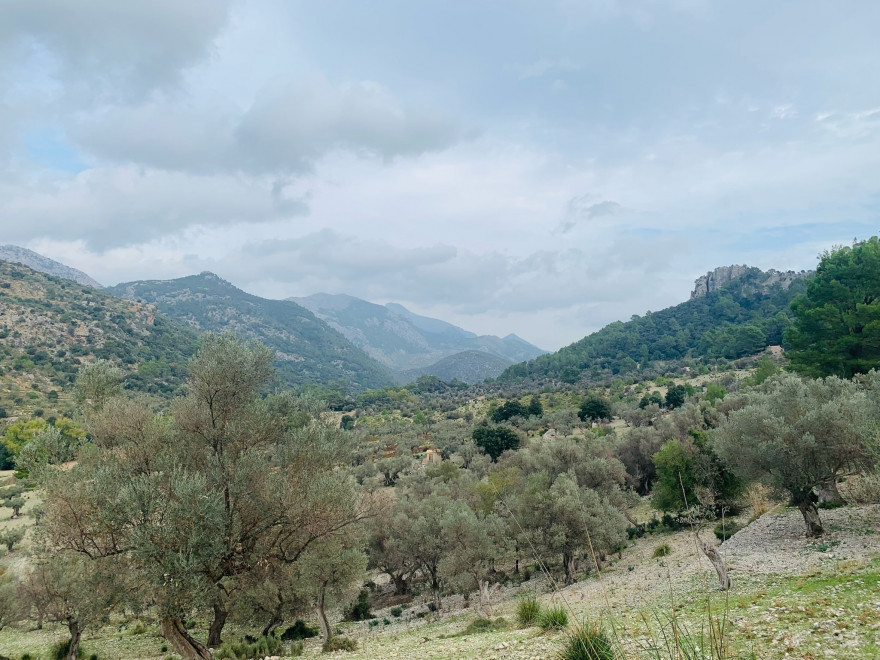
[662, 550]
[555, 618]
[262, 647]
[528, 611]
[589, 641]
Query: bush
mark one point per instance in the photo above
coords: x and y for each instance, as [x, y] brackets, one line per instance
[725, 531]
[478, 626]
[299, 630]
[297, 649]
[662, 550]
[260, 648]
[556, 618]
[528, 611]
[396, 611]
[339, 644]
[360, 609]
[59, 651]
[588, 642]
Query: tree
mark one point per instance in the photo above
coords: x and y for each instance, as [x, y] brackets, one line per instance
[73, 591]
[595, 408]
[495, 440]
[332, 573]
[836, 330]
[797, 435]
[195, 502]
[11, 537]
[535, 409]
[675, 396]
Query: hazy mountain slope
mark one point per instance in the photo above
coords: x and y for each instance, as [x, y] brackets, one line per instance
[50, 326]
[467, 366]
[740, 317]
[38, 262]
[307, 349]
[405, 341]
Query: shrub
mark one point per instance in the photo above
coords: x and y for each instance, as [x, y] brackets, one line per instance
[339, 644]
[360, 609]
[662, 550]
[588, 642]
[260, 648]
[528, 611]
[556, 618]
[299, 630]
[726, 530]
[297, 649]
[396, 611]
[59, 651]
[478, 626]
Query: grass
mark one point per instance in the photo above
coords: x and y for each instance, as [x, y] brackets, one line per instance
[555, 618]
[589, 641]
[662, 550]
[528, 611]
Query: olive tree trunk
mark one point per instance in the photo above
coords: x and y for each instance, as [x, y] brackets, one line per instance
[322, 616]
[808, 510]
[75, 637]
[717, 560]
[184, 644]
[216, 629]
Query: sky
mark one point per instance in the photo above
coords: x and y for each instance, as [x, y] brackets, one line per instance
[542, 168]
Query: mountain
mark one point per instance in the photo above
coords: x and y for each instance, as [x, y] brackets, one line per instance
[467, 366]
[407, 342]
[735, 312]
[50, 326]
[20, 255]
[307, 350]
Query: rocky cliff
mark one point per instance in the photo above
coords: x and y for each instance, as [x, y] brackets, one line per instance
[715, 279]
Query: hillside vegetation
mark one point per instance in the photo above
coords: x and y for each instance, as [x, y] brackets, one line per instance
[307, 350]
[50, 327]
[742, 318]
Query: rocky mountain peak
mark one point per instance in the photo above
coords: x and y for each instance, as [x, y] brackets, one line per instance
[715, 279]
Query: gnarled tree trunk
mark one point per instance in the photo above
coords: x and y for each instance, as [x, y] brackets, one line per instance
[322, 616]
[173, 630]
[811, 518]
[75, 636]
[717, 561]
[216, 629]
[570, 563]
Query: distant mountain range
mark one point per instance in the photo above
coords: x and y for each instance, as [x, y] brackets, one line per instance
[29, 258]
[307, 349]
[411, 344]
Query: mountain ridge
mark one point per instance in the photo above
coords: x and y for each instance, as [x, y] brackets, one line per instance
[43, 264]
[407, 342]
[308, 351]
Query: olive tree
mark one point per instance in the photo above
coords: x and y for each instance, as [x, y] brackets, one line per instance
[194, 503]
[797, 435]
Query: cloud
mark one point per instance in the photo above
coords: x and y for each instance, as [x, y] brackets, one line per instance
[114, 48]
[125, 206]
[584, 207]
[286, 129]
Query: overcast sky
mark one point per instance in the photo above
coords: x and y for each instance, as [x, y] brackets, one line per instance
[541, 168]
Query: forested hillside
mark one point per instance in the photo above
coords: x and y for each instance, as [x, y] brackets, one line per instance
[50, 326]
[741, 318]
[307, 350]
